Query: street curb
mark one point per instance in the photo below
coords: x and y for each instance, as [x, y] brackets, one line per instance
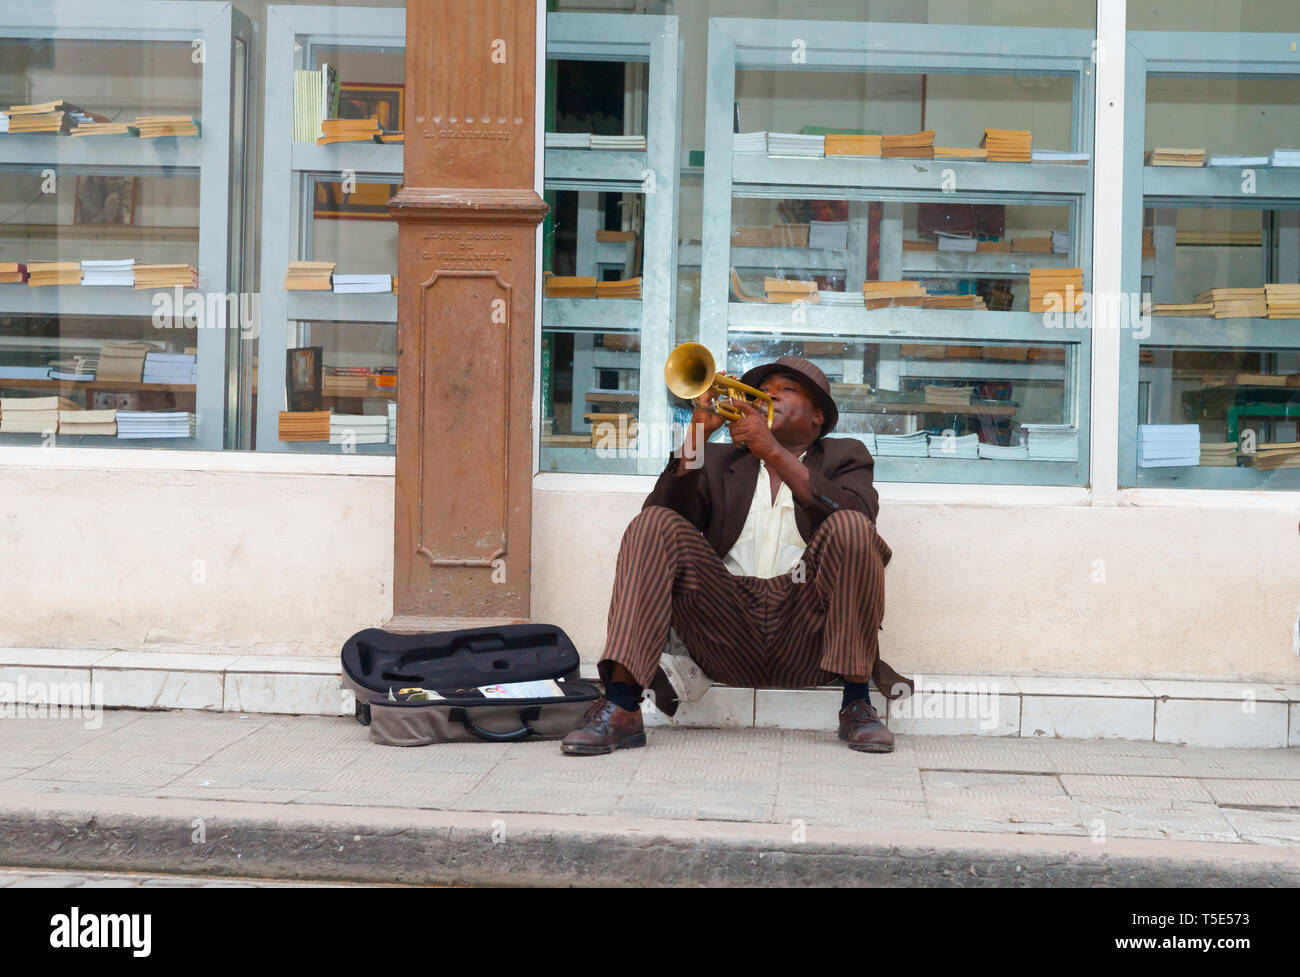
[388, 845]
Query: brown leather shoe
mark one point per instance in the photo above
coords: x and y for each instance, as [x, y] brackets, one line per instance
[604, 729]
[862, 729]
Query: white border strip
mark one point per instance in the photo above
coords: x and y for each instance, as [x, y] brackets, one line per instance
[217, 462]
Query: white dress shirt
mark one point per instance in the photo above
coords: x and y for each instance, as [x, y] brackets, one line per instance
[769, 543]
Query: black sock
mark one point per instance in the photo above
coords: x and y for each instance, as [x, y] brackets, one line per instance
[625, 695]
[853, 691]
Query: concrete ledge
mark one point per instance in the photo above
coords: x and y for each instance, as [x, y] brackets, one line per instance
[470, 848]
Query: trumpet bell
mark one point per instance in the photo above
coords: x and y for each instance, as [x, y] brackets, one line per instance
[690, 370]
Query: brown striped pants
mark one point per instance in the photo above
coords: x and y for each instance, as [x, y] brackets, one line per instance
[748, 631]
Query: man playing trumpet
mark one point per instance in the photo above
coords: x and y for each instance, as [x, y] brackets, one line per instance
[763, 555]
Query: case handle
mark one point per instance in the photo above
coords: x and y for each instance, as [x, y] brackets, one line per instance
[489, 736]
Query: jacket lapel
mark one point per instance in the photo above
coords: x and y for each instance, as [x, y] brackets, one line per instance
[814, 461]
[737, 492]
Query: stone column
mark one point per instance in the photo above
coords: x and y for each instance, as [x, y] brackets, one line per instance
[467, 215]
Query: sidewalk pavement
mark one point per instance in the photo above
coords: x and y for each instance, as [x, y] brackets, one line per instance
[312, 798]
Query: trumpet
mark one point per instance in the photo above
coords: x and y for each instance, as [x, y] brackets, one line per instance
[691, 372]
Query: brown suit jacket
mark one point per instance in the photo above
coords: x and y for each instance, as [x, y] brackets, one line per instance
[715, 499]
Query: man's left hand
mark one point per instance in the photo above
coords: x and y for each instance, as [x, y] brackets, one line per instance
[752, 431]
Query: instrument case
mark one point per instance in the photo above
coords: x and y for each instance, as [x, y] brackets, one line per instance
[455, 665]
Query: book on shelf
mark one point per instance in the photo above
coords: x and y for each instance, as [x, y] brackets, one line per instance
[117, 272]
[1237, 161]
[914, 445]
[102, 129]
[347, 130]
[1031, 245]
[1060, 242]
[922, 351]
[135, 424]
[1060, 156]
[304, 425]
[864, 145]
[1055, 289]
[1272, 456]
[842, 300]
[1284, 157]
[1243, 379]
[390, 136]
[315, 99]
[920, 245]
[948, 396]
[10, 372]
[1052, 442]
[169, 368]
[891, 294]
[42, 118]
[166, 276]
[994, 247]
[945, 241]
[309, 276]
[569, 286]
[41, 273]
[627, 144]
[392, 422]
[1283, 301]
[738, 292]
[828, 234]
[355, 284]
[796, 144]
[44, 108]
[616, 237]
[12, 273]
[751, 143]
[1215, 454]
[960, 152]
[954, 302]
[1183, 309]
[1236, 303]
[358, 428]
[1175, 156]
[752, 237]
[121, 361]
[789, 290]
[1008, 145]
[164, 126]
[627, 288]
[568, 140]
[101, 422]
[32, 415]
[912, 145]
[955, 446]
[1168, 445]
[1004, 452]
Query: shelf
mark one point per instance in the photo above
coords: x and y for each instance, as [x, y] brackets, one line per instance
[1198, 183]
[793, 176]
[102, 154]
[114, 385]
[591, 315]
[1225, 333]
[747, 258]
[965, 264]
[79, 300]
[325, 448]
[587, 169]
[982, 370]
[1215, 477]
[986, 410]
[905, 324]
[362, 158]
[578, 459]
[376, 307]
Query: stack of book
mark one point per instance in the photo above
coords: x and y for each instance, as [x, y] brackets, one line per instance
[309, 276]
[789, 290]
[569, 286]
[568, 140]
[1055, 289]
[1264, 380]
[169, 368]
[1283, 301]
[32, 415]
[53, 273]
[1031, 245]
[135, 424]
[828, 234]
[1060, 242]
[1238, 160]
[960, 152]
[358, 429]
[71, 369]
[1058, 156]
[846, 145]
[347, 130]
[1176, 157]
[902, 445]
[1052, 442]
[1236, 303]
[948, 396]
[4, 121]
[102, 129]
[10, 372]
[994, 247]
[612, 430]
[1284, 157]
[954, 446]
[1183, 308]
[166, 276]
[841, 300]
[627, 144]
[392, 422]
[1168, 445]
[1268, 457]
[12, 272]
[315, 98]
[101, 422]
[304, 425]
[954, 302]
[795, 144]
[390, 135]
[113, 271]
[790, 235]
[346, 381]
[55, 116]
[1004, 452]
[1008, 145]
[158, 126]
[914, 145]
[1219, 454]
[946, 241]
[121, 361]
[881, 295]
[354, 284]
[748, 143]
[626, 288]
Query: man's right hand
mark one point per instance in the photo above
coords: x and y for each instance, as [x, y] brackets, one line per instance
[704, 422]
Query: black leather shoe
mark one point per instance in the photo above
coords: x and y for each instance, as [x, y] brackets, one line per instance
[604, 729]
[862, 729]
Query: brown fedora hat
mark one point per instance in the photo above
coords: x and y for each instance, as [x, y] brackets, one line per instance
[814, 380]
